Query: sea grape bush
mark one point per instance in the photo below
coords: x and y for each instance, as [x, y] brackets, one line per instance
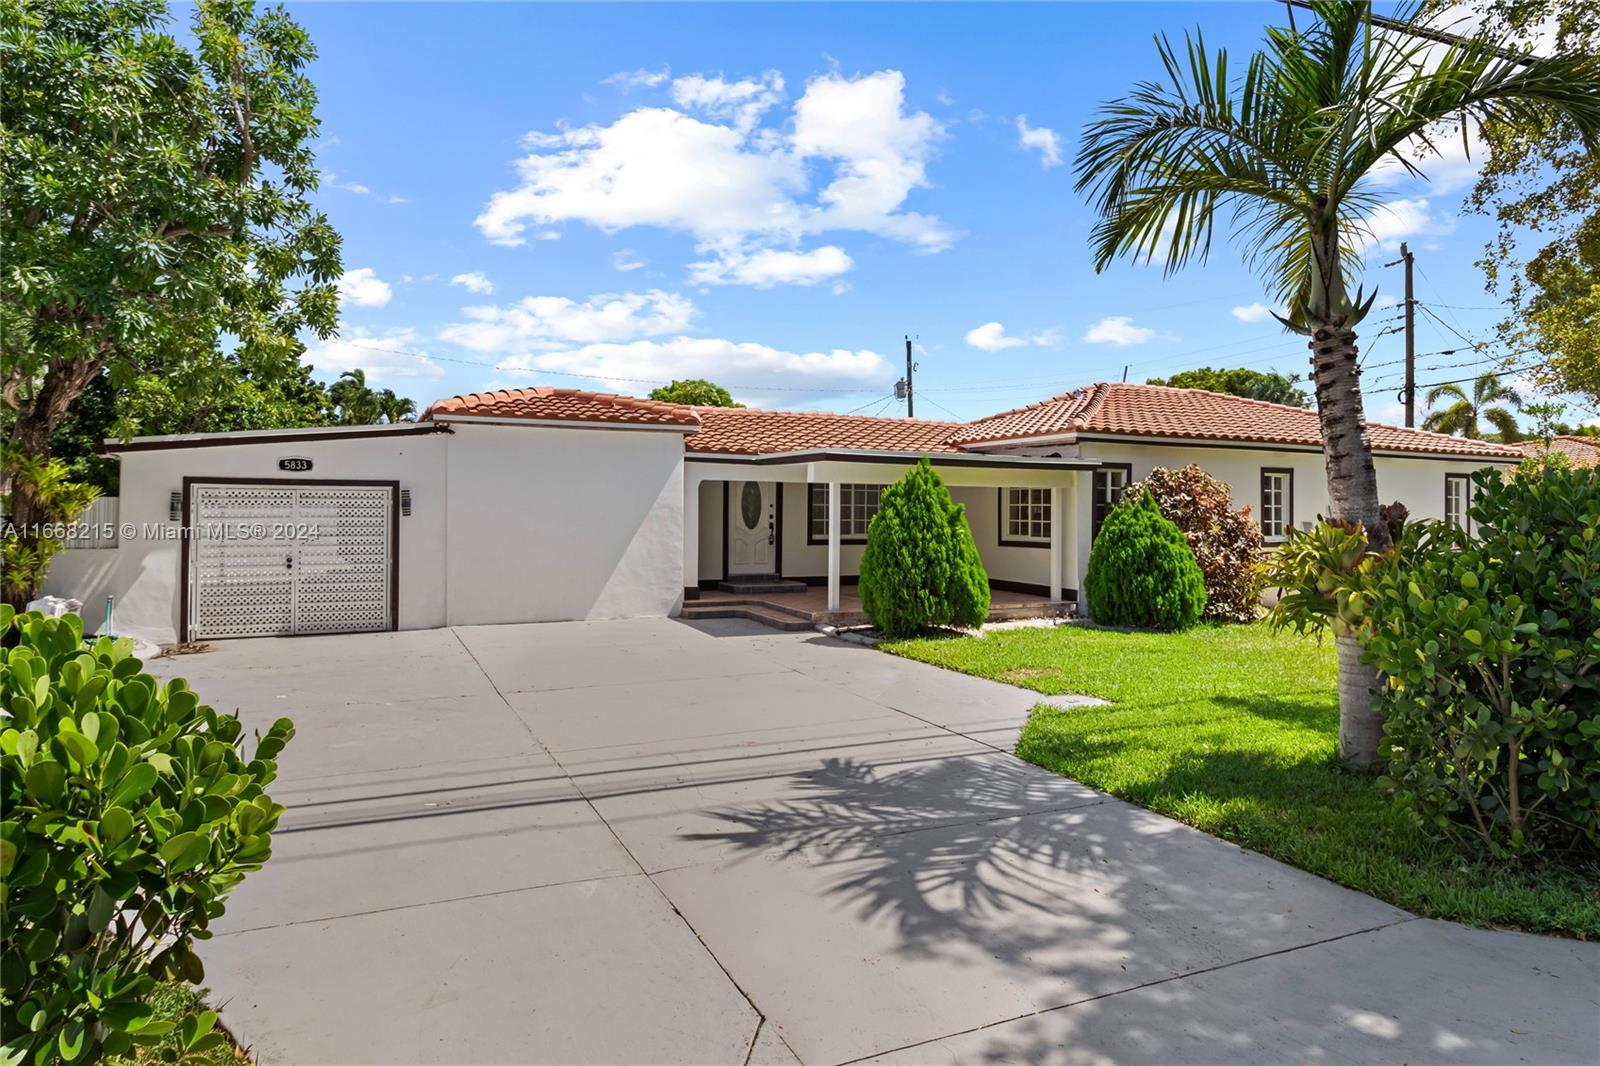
[131, 810]
[1490, 646]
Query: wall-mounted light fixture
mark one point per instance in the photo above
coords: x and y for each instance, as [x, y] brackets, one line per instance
[175, 507]
[405, 502]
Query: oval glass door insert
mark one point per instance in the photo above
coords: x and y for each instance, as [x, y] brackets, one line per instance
[750, 505]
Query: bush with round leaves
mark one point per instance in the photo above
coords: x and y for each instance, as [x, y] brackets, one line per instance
[130, 812]
[921, 566]
[1225, 542]
[1490, 647]
[1142, 572]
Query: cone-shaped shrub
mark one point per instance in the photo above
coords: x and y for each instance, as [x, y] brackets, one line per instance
[1141, 570]
[921, 566]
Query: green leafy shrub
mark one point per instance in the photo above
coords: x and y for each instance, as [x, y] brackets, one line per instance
[1491, 648]
[26, 552]
[1141, 571]
[130, 812]
[1225, 542]
[921, 566]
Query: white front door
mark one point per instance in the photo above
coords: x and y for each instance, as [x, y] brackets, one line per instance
[752, 527]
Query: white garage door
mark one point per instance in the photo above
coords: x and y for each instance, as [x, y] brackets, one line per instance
[276, 559]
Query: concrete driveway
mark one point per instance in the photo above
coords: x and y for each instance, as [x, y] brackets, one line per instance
[651, 841]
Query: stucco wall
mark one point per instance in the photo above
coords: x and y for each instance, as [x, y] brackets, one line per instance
[556, 524]
[1418, 483]
[802, 560]
[492, 537]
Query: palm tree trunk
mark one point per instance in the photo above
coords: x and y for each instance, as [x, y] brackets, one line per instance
[1352, 495]
[1360, 725]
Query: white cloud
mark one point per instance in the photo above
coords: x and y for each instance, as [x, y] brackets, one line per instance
[991, 337]
[638, 79]
[1042, 139]
[738, 187]
[544, 322]
[390, 354]
[743, 102]
[1118, 330]
[1403, 219]
[768, 267]
[474, 281]
[364, 288]
[1449, 164]
[792, 376]
[360, 189]
[1255, 312]
[626, 259]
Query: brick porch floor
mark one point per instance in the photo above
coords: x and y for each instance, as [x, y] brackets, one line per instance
[802, 610]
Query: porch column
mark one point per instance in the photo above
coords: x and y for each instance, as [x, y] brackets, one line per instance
[691, 536]
[1070, 530]
[834, 525]
[1082, 532]
[1057, 536]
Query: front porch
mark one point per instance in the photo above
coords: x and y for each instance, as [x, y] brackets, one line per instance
[778, 538]
[808, 608]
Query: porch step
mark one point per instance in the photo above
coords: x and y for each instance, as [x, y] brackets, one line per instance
[760, 584]
[788, 621]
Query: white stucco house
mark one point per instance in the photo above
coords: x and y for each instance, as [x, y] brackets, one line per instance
[547, 504]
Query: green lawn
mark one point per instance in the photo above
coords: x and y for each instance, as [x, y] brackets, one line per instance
[173, 1001]
[1235, 730]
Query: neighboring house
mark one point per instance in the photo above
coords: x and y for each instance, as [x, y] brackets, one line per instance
[1581, 452]
[545, 504]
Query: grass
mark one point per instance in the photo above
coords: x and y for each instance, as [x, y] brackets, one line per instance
[173, 1001]
[1234, 730]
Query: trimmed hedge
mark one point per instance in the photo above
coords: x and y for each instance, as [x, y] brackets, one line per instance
[921, 566]
[1141, 570]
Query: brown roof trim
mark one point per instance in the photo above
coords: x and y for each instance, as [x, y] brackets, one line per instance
[266, 436]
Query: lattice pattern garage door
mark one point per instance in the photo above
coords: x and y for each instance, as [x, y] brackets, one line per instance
[271, 560]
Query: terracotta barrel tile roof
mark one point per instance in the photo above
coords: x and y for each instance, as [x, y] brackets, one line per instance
[1581, 452]
[1123, 409]
[1111, 408]
[748, 431]
[564, 405]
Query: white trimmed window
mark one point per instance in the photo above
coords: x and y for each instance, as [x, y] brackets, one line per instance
[1277, 503]
[1111, 481]
[1457, 494]
[1026, 514]
[857, 505]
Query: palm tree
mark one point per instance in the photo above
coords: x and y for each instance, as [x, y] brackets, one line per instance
[1289, 150]
[356, 404]
[1462, 415]
[394, 408]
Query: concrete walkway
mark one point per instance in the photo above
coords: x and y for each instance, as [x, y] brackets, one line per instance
[652, 841]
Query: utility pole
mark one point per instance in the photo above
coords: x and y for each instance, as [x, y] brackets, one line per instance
[911, 411]
[1408, 395]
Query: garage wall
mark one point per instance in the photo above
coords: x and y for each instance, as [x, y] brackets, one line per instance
[143, 572]
[508, 524]
[557, 524]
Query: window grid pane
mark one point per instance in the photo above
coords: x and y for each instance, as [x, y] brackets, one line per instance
[1274, 504]
[1028, 514]
[857, 504]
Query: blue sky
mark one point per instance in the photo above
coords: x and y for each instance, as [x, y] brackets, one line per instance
[773, 195]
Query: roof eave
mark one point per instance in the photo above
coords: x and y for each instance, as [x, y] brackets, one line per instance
[561, 423]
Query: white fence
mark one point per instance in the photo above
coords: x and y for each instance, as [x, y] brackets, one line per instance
[96, 528]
